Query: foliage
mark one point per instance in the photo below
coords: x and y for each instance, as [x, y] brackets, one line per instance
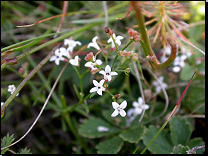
[77, 114]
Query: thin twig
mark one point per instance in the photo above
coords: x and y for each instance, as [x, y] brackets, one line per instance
[164, 92]
[62, 18]
[106, 13]
[140, 87]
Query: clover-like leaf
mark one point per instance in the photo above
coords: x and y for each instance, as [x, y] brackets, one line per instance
[161, 145]
[180, 131]
[111, 146]
[133, 135]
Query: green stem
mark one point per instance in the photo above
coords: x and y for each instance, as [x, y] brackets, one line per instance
[127, 44]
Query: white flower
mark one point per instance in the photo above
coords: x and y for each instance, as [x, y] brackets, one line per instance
[184, 52]
[119, 109]
[107, 73]
[179, 63]
[139, 106]
[94, 43]
[167, 53]
[93, 64]
[2, 103]
[158, 87]
[59, 53]
[102, 129]
[71, 44]
[12, 88]
[117, 40]
[98, 87]
[75, 61]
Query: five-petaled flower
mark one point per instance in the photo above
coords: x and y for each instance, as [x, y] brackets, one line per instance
[71, 44]
[94, 44]
[117, 40]
[12, 88]
[93, 64]
[107, 73]
[157, 85]
[98, 87]
[75, 61]
[119, 109]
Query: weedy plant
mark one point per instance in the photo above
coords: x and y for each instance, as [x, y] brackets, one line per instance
[113, 85]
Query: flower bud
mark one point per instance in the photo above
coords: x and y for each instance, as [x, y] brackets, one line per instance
[118, 95]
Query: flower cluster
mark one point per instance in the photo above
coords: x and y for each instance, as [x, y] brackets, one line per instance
[94, 64]
[65, 54]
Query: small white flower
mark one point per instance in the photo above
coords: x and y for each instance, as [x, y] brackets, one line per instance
[107, 73]
[179, 63]
[179, 60]
[139, 106]
[184, 52]
[119, 109]
[94, 43]
[59, 53]
[117, 40]
[98, 87]
[12, 88]
[71, 44]
[158, 87]
[168, 52]
[102, 129]
[2, 103]
[75, 61]
[93, 64]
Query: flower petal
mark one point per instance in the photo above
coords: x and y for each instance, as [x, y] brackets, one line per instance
[101, 82]
[99, 91]
[115, 105]
[88, 64]
[138, 111]
[98, 62]
[176, 69]
[122, 113]
[95, 83]
[140, 100]
[114, 73]
[94, 89]
[123, 104]
[115, 113]
[107, 69]
[135, 104]
[102, 72]
[145, 106]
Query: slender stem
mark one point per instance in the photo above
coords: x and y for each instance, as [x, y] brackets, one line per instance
[12, 96]
[41, 109]
[127, 44]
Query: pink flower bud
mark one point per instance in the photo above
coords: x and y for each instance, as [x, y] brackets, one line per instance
[21, 70]
[118, 95]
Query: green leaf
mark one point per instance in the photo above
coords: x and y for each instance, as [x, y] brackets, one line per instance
[133, 135]
[187, 72]
[118, 120]
[63, 102]
[161, 145]
[111, 146]
[89, 128]
[6, 141]
[86, 108]
[180, 149]
[180, 131]
[76, 91]
[197, 142]
[25, 151]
